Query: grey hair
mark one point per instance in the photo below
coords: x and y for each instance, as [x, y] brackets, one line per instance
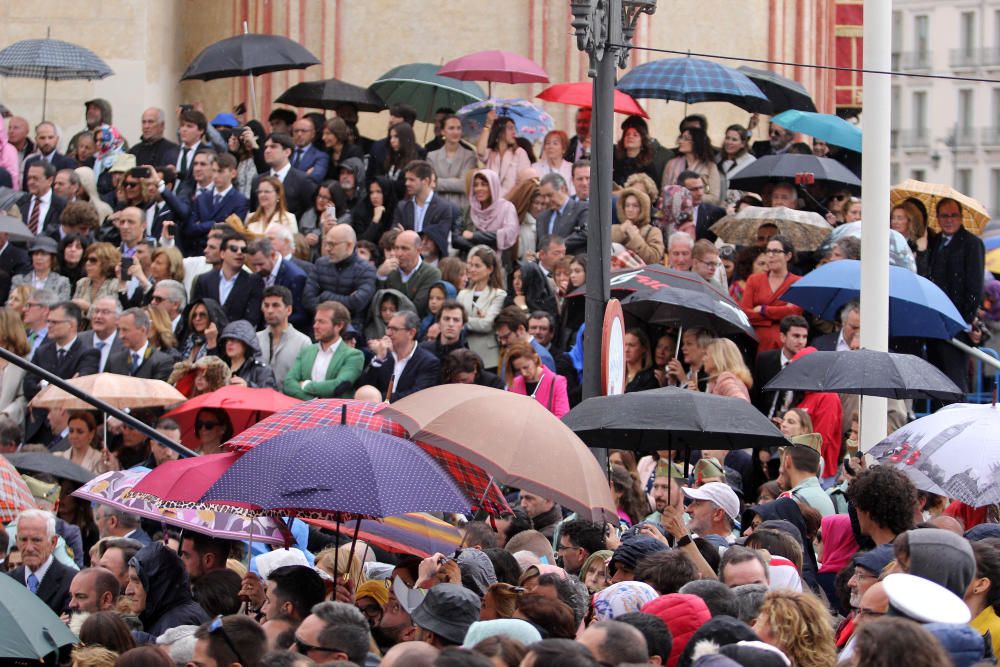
[555, 180]
[177, 292]
[117, 306]
[10, 431]
[749, 600]
[141, 317]
[680, 236]
[851, 307]
[410, 319]
[126, 519]
[282, 232]
[74, 178]
[45, 297]
[41, 515]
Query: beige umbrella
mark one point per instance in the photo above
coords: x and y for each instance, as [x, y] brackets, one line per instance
[120, 391]
[805, 229]
[512, 438]
[974, 214]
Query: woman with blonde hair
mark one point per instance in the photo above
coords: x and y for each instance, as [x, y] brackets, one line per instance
[161, 330]
[88, 185]
[18, 298]
[12, 339]
[728, 375]
[100, 261]
[800, 626]
[271, 207]
[635, 230]
[343, 567]
[93, 656]
[167, 263]
[552, 162]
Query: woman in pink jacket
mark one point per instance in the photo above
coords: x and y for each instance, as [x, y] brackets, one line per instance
[532, 378]
[727, 374]
[8, 157]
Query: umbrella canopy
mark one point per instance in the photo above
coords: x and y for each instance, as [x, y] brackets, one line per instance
[14, 493]
[420, 86]
[329, 94]
[805, 229]
[993, 260]
[249, 54]
[416, 533]
[671, 418]
[952, 452]
[49, 464]
[824, 126]
[180, 483]
[331, 412]
[917, 307]
[120, 391]
[244, 405]
[866, 372]
[783, 93]
[10, 198]
[516, 441]
[974, 214]
[784, 168]
[495, 65]
[531, 121]
[337, 472]
[13, 227]
[692, 80]
[31, 630]
[900, 253]
[581, 94]
[659, 295]
[51, 59]
[114, 490]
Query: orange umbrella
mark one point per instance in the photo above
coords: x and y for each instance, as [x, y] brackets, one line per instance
[513, 438]
[120, 391]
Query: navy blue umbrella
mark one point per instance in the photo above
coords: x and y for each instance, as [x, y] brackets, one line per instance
[336, 472]
[692, 80]
[917, 307]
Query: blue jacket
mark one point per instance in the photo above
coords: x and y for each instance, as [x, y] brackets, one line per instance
[204, 214]
[961, 642]
[350, 282]
[294, 278]
[314, 159]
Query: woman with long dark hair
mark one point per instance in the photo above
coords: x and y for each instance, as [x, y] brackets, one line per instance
[497, 149]
[372, 216]
[336, 138]
[695, 154]
[402, 151]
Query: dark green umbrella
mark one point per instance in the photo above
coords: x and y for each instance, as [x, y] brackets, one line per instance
[420, 86]
[28, 628]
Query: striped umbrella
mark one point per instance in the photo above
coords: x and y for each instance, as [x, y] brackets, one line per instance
[692, 80]
[416, 533]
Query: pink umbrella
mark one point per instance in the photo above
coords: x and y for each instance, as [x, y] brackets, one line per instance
[495, 65]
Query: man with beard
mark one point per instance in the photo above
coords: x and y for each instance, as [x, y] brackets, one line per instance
[93, 589]
[396, 625]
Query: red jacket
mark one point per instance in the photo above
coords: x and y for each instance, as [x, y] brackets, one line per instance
[767, 324]
[826, 412]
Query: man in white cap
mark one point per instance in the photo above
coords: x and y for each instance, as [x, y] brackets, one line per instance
[714, 511]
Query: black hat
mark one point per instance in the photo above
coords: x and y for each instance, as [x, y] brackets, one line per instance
[448, 610]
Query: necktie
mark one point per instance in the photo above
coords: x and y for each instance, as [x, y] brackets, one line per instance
[388, 391]
[36, 211]
[100, 345]
[947, 240]
[184, 161]
[32, 583]
[136, 361]
[216, 199]
[60, 356]
[298, 158]
[552, 221]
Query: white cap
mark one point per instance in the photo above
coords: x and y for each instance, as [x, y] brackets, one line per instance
[270, 561]
[718, 493]
[923, 600]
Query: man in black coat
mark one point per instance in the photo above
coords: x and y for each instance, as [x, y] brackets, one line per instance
[13, 261]
[239, 292]
[564, 217]
[267, 263]
[955, 264]
[794, 334]
[138, 358]
[423, 210]
[40, 572]
[705, 214]
[299, 188]
[398, 348]
[154, 149]
[38, 183]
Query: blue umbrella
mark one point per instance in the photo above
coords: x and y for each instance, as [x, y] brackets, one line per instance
[692, 80]
[824, 126]
[917, 307]
[531, 121]
[335, 471]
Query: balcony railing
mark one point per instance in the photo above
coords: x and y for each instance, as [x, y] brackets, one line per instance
[918, 138]
[915, 60]
[966, 137]
[989, 136]
[967, 58]
[990, 57]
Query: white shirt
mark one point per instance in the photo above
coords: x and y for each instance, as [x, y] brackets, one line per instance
[322, 362]
[106, 350]
[226, 286]
[65, 348]
[151, 214]
[215, 192]
[40, 572]
[141, 352]
[842, 345]
[406, 276]
[399, 365]
[273, 276]
[420, 211]
[43, 207]
[191, 150]
[281, 173]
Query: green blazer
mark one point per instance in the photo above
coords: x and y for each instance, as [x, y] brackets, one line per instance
[346, 366]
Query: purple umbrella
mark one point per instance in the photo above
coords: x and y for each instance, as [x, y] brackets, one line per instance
[337, 472]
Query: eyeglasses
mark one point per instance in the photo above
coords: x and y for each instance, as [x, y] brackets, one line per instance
[949, 216]
[217, 627]
[870, 613]
[33, 304]
[393, 330]
[197, 315]
[91, 260]
[199, 425]
[370, 610]
[308, 648]
[238, 249]
[774, 251]
[712, 265]
[55, 322]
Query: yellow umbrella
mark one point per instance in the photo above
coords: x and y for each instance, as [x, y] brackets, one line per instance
[993, 261]
[120, 391]
[974, 215]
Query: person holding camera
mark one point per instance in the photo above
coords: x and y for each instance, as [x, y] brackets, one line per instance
[245, 143]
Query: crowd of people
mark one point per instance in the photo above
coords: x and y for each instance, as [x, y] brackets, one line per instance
[297, 255]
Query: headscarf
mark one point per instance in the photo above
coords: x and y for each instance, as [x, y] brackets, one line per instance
[677, 205]
[625, 597]
[500, 216]
[112, 143]
[839, 545]
[376, 590]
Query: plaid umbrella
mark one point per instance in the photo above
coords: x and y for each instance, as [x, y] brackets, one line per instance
[14, 493]
[692, 80]
[974, 214]
[805, 229]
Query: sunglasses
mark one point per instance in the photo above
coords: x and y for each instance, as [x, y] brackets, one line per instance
[131, 184]
[199, 425]
[305, 648]
[92, 260]
[240, 249]
[217, 627]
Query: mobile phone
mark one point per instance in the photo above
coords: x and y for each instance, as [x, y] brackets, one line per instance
[139, 172]
[186, 107]
[126, 265]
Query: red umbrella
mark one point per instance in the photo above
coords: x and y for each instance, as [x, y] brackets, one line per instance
[244, 405]
[495, 65]
[180, 483]
[581, 95]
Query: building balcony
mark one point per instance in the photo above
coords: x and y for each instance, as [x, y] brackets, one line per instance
[967, 58]
[915, 60]
[990, 57]
[990, 136]
[966, 137]
[918, 138]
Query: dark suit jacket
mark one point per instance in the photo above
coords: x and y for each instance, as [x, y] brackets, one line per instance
[440, 213]
[51, 221]
[706, 216]
[81, 359]
[826, 342]
[13, 262]
[156, 153]
[294, 278]
[571, 225]
[314, 159]
[423, 370]
[958, 269]
[299, 192]
[768, 365]
[570, 155]
[59, 161]
[204, 214]
[155, 366]
[244, 300]
[90, 338]
[54, 587]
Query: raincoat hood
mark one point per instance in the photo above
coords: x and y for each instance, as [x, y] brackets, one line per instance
[244, 332]
[162, 574]
[376, 327]
[357, 167]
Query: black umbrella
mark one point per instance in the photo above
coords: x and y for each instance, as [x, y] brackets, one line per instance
[786, 168]
[49, 464]
[659, 295]
[783, 92]
[673, 419]
[866, 372]
[328, 94]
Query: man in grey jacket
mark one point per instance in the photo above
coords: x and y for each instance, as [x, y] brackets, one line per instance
[279, 342]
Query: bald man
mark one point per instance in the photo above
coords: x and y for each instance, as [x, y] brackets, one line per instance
[341, 276]
[305, 156]
[407, 272]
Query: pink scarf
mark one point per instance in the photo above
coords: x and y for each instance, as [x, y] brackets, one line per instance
[500, 216]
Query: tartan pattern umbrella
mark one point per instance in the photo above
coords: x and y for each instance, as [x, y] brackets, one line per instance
[14, 493]
[472, 479]
[692, 80]
[51, 59]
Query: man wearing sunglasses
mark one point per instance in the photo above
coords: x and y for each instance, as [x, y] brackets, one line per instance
[779, 140]
[333, 631]
[239, 292]
[229, 641]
